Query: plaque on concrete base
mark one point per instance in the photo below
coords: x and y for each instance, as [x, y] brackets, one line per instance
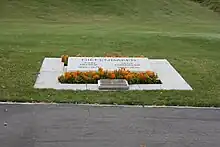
[113, 84]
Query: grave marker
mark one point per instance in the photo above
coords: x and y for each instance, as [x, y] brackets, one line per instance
[107, 63]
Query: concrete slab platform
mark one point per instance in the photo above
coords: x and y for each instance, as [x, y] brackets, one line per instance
[53, 67]
[92, 87]
[170, 78]
[70, 87]
[47, 79]
[134, 87]
[150, 86]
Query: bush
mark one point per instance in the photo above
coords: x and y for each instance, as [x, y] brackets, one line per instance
[212, 4]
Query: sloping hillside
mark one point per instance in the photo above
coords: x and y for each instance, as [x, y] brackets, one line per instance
[70, 10]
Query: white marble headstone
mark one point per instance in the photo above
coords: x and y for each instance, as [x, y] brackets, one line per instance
[107, 63]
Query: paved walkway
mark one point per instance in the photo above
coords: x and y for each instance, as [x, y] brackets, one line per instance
[85, 126]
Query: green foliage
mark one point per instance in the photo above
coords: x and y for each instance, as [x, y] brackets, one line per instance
[212, 4]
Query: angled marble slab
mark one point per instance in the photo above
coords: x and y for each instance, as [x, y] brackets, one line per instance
[170, 78]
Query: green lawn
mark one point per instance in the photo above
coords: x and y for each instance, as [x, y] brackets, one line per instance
[189, 41]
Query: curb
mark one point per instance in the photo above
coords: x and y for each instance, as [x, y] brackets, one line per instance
[105, 105]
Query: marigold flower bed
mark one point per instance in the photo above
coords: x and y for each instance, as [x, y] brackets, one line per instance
[92, 77]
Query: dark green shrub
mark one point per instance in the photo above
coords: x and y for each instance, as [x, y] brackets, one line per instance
[212, 4]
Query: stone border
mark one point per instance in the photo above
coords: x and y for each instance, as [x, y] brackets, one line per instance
[53, 67]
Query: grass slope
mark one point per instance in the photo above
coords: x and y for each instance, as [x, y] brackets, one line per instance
[181, 31]
[139, 10]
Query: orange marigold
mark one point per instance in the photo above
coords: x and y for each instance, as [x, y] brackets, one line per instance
[67, 75]
[150, 73]
[86, 73]
[142, 76]
[85, 77]
[92, 73]
[96, 77]
[78, 72]
[100, 69]
[74, 74]
[126, 77]
[112, 76]
[101, 73]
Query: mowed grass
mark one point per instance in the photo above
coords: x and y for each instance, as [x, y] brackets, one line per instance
[192, 46]
[24, 46]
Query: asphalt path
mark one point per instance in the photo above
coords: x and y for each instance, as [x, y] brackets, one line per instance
[69, 125]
